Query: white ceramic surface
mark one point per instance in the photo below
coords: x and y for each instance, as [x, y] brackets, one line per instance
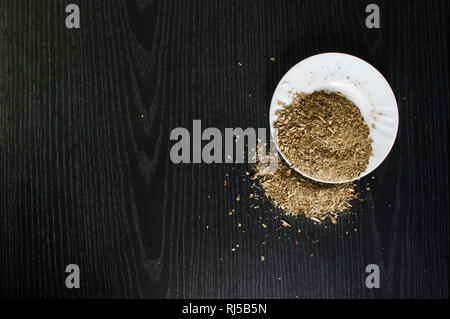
[360, 82]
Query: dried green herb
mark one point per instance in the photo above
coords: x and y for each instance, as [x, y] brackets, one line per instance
[297, 195]
[324, 136]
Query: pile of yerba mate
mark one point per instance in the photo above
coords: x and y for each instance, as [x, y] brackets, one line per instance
[324, 136]
[297, 195]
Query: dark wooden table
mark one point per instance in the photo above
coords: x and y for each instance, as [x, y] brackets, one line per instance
[86, 177]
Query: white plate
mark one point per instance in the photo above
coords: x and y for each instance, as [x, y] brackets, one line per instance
[360, 82]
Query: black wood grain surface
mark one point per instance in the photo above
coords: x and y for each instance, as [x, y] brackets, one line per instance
[86, 177]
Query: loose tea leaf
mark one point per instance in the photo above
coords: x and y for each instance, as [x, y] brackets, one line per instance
[297, 195]
[324, 136]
